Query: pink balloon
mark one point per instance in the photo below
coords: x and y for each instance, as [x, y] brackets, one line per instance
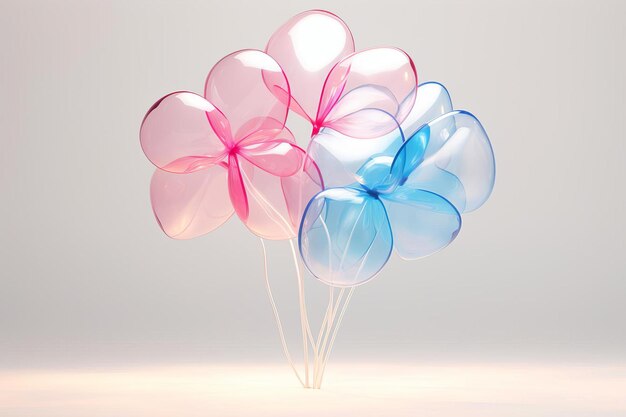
[250, 88]
[276, 202]
[239, 158]
[374, 79]
[175, 134]
[186, 206]
[331, 86]
[307, 46]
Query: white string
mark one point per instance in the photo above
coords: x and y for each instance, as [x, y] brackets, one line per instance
[332, 340]
[329, 328]
[303, 316]
[277, 317]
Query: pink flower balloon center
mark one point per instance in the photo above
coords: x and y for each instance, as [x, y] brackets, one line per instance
[233, 149]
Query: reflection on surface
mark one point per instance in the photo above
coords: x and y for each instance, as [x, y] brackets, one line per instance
[390, 390]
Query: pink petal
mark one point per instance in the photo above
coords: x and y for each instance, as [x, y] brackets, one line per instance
[279, 158]
[177, 135]
[379, 79]
[248, 87]
[269, 130]
[272, 151]
[190, 205]
[236, 188]
[307, 46]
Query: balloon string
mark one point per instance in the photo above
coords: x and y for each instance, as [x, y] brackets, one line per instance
[277, 317]
[332, 340]
[287, 228]
[304, 320]
[321, 353]
[301, 280]
[329, 327]
[322, 330]
[259, 198]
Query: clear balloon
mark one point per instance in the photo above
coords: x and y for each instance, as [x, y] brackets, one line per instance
[345, 238]
[432, 100]
[458, 162]
[422, 222]
[340, 157]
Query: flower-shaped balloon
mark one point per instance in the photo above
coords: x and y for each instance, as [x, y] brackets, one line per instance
[411, 202]
[231, 142]
[333, 87]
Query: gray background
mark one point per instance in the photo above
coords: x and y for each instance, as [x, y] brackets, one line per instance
[88, 277]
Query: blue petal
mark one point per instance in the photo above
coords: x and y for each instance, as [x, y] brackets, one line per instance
[375, 175]
[345, 238]
[410, 155]
[458, 161]
[432, 101]
[422, 222]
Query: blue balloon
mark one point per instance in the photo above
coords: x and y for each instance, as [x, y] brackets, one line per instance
[411, 201]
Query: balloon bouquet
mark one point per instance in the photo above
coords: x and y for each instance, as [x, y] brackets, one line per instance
[389, 163]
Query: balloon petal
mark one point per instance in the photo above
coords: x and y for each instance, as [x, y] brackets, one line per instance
[432, 100]
[379, 78]
[422, 222]
[410, 155]
[375, 175]
[345, 237]
[190, 205]
[269, 130]
[307, 46]
[177, 136]
[279, 158]
[249, 87]
[340, 157]
[273, 201]
[458, 162]
[236, 188]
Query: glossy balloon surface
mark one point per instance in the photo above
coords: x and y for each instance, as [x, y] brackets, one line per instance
[229, 151]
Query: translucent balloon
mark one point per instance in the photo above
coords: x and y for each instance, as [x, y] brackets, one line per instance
[422, 222]
[190, 205]
[376, 176]
[458, 162]
[250, 88]
[432, 100]
[340, 157]
[176, 134]
[416, 196]
[275, 203]
[345, 238]
[307, 46]
[382, 79]
[239, 157]
[335, 88]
